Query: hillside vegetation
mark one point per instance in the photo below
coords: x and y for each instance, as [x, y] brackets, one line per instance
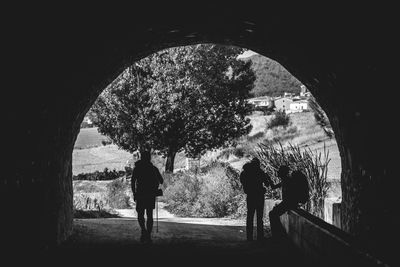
[304, 131]
[272, 78]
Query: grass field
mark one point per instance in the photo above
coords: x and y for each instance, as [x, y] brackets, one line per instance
[312, 136]
[89, 137]
[98, 158]
[309, 135]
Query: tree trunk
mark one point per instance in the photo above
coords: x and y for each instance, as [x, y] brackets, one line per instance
[169, 165]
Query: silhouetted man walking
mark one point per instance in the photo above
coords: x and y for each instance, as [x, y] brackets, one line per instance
[145, 181]
[253, 179]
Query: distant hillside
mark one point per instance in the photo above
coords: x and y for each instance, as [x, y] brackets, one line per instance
[272, 78]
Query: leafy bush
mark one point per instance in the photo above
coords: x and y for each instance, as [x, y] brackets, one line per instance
[280, 118]
[264, 110]
[239, 151]
[183, 193]
[107, 141]
[118, 194]
[89, 201]
[215, 192]
[255, 137]
[89, 214]
[87, 205]
[226, 153]
[282, 134]
[212, 165]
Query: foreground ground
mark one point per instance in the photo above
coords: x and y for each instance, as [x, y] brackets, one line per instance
[178, 242]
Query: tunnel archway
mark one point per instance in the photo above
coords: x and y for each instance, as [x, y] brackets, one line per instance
[326, 56]
[99, 156]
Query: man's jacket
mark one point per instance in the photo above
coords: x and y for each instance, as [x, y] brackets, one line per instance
[253, 179]
[145, 179]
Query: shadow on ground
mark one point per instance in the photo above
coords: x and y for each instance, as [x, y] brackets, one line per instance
[110, 242]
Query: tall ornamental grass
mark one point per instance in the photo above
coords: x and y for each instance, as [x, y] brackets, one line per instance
[313, 164]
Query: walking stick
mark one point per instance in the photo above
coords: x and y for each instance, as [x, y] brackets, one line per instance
[157, 213]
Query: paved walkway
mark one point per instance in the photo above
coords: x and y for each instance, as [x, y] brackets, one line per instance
[178, 242]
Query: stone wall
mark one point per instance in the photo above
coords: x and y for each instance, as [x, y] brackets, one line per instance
[324, 244]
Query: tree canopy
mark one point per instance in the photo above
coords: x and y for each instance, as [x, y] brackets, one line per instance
[190, 98]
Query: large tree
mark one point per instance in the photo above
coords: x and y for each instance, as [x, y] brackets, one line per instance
[190, 99]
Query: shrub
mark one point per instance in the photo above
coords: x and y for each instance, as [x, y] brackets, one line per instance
[265, 110]
[107, 141]
[280, 118]
[118, 194]
[213, 164]
[90, 214]
[240, 151]
[106, 174]
[282, 134]
[86, 187]
[255, 137]
[215, 192]
[87, 205]
[89, 201]
[182, 194]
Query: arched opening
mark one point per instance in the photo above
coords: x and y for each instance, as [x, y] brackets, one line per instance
[207, 199]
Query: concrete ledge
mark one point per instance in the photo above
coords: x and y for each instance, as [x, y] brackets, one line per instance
[331, 213]
[324, 244]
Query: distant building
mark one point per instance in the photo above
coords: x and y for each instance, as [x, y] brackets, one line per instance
[297, 106]
[262, 101]
[304, 91]
[291, 103]
[286, 94]
[283, 103]
[87, 122]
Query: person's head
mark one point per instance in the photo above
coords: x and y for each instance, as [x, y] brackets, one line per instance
[145, 156]
[256, 162]
[283, 171]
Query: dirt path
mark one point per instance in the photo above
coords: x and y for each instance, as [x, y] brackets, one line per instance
[178, 242]
[164, 215]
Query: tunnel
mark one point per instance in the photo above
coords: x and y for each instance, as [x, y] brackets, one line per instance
[58, 63]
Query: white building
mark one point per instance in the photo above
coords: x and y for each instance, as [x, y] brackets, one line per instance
[304, 91]
[297, 106]
[87, 120]
[283, 103]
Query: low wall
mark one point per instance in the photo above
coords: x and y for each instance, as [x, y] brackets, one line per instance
[324, 244]
[331, 211]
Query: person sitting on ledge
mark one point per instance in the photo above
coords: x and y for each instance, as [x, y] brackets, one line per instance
[295, 191]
